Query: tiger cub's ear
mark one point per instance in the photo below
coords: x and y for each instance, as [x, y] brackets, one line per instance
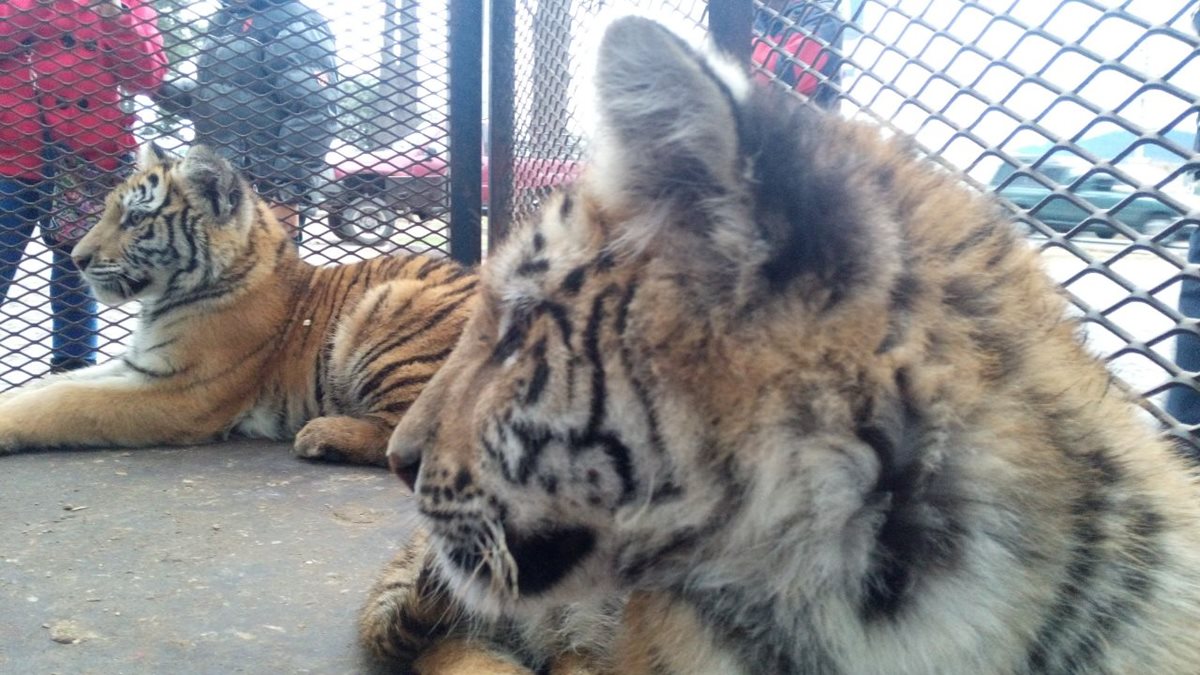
[150, 156]
[668, 133]
[213, 181]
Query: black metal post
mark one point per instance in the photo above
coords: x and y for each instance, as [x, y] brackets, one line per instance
[500, 120]
[466, 128]
[730, 23]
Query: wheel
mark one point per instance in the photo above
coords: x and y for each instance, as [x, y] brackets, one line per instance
[1156, 224]
[366, 220]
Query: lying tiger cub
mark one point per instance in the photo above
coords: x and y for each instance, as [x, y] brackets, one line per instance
[236, 334]
[764, 394]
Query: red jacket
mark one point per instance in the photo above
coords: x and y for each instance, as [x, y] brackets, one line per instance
[61, 67]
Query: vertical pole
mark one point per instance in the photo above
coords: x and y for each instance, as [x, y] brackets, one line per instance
[466, 128]
[500, 120]
[730, 23]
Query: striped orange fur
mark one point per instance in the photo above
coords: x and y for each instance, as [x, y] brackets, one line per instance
[766, 393]
[236, 334]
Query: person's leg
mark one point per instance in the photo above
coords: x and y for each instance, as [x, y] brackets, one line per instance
[19, 203]
[289, 215]
[285, 193]
[80, 189]
[1184, 402]
[76, 320]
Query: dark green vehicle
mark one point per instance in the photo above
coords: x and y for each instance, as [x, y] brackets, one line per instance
[1139, 211]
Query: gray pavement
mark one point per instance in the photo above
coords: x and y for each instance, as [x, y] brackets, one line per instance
[231, 558]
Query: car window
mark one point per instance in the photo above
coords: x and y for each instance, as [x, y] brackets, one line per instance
[1025, 182]
[1059, 174]
[1098, 183]
[1003, 172]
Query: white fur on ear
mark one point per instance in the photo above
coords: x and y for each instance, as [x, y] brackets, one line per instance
[199, 154]
[213, 179]
[668, 134]
[150, 155]
[727, 70]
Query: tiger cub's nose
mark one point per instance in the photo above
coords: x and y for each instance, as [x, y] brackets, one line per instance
[405, 461]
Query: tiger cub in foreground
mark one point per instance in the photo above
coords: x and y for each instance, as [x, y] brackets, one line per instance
[764, 394]
[236, 333]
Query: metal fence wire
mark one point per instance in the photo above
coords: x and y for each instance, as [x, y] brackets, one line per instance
[339, 109]
[1079, 115]
[541, 69]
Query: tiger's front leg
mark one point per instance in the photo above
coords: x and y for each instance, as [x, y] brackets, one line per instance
[102, 408]
[383, 355]
[411, 622]
[358, 440]
[108, 369]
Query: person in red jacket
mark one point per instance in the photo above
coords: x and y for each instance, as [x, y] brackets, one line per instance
[65, 66]
[799, 43]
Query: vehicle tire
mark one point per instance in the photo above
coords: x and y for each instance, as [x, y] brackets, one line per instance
[365, 220]
[1157, 224]
[1106, 233]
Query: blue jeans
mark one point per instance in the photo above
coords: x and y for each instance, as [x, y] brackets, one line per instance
[25, 203]
[1184, 403]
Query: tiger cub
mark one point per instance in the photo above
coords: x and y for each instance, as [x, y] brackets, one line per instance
[765, 394]
[236, 334]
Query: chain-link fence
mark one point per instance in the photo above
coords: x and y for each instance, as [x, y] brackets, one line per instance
[541, 63]
[1080, 115]
[338, 112]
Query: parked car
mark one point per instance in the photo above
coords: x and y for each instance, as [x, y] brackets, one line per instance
[370, 191]
[1139, 211]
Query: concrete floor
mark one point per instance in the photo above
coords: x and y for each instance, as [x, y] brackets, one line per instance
[232, 558]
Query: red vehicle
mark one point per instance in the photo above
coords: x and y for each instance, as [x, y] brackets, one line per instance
[372, 190]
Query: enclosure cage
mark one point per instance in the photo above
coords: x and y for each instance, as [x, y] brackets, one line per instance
[1080, 116]
[441, 124]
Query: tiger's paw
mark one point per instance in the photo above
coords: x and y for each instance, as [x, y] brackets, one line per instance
[321, 438]
[402, 607]
[10, 443]
[342, 439]
[8, 446]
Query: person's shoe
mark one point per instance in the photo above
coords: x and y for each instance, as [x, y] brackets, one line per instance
[58, 365]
